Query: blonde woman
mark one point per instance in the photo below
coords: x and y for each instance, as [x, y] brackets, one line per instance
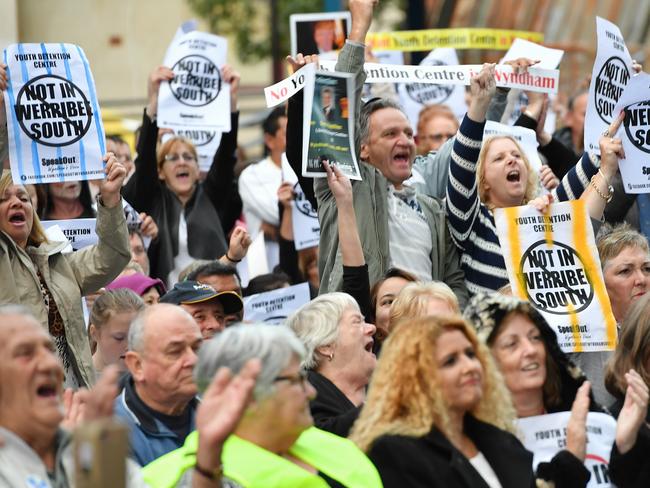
[495, 173]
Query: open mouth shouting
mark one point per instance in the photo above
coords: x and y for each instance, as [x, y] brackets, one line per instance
[514, 176]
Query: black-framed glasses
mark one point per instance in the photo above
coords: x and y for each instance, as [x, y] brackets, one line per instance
[300, 378]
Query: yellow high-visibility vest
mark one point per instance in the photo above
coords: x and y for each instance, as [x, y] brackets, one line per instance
[252, 466]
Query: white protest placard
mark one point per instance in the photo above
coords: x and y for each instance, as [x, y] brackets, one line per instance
[79, 232]
[610, 75]
[328, 130]
[275, 306]
[549, 58]
[197, 96]
[535, 79]
[206, 142]
[304, 219]
[545, 436]
[635, 134]
[54, 124]
[553, 263]
[526, 138]
[415, 96]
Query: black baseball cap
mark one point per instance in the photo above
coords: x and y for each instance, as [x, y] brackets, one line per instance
[189, 292]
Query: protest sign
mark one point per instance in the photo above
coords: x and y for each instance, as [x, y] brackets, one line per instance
[548, 59]
[535, 79]
[79, 232]
[463, 38]
[546, 435]
[415, 96]
[304, 219]
[526, 138]
[197, 96]
[328, 131]
[553, 263]
[275, 306]
[54, 125]
[321, 33]
[206, 142]
[610, 75]
[635, 134]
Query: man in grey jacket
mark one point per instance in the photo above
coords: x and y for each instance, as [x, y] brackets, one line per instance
[398, 225]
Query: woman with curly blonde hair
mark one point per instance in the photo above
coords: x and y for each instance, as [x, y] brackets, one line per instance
[437, 412]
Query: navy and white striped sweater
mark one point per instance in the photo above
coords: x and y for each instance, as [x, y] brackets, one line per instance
[471, 223]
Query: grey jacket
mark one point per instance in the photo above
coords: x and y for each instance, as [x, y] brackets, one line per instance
[68, 276]
[370, 205]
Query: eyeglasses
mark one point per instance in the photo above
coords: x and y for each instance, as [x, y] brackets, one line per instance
[174, 158]
[300, 378]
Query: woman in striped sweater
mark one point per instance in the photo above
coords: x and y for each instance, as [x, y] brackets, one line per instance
[495, 174]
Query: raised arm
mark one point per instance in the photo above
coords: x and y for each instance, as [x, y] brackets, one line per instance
[355, 270]
[143, 188]
[219, 183]
[294, 130]
[462, 204]
[98, 265]
[599, 191]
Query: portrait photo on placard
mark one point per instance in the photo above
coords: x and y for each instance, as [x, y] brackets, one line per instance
[321, 33]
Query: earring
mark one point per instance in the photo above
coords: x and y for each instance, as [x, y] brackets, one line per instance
[330, 357]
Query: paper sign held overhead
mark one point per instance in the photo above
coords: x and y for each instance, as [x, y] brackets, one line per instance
[54, 124]
[610, 75]
[328, 131]
[198, 96]
[635, 134]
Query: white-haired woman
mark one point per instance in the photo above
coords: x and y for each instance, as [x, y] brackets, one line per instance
[275, 443]
[339, 360]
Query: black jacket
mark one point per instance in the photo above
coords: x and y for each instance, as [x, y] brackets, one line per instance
[331, 409]
[432, 461]
[632, 469]
[208, 213]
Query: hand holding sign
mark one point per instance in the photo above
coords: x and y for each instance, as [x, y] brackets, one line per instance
[3, 76]
[339, 184]
[232, 77]
[299, 61]
[158, 75]
[633, 412]
[611, 148]
[482, 87]
[110, 187]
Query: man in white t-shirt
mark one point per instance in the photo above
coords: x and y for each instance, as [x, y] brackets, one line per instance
[259, 183]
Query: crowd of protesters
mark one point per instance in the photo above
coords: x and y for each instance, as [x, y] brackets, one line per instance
[412, 362]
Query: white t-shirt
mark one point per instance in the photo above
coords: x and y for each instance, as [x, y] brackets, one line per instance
[258, 187]
[183, 258]
[409, 233]
[485, 470]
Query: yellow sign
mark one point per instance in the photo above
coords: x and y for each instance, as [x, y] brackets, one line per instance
[553, 263]
[464, 38]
